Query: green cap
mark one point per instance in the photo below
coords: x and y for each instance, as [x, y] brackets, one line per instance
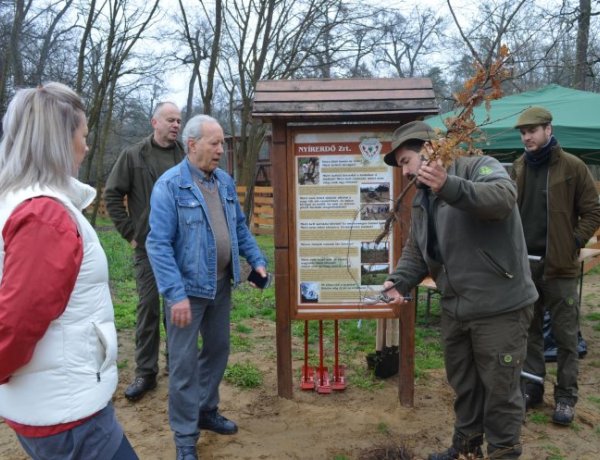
[534, 116]
[417, 130]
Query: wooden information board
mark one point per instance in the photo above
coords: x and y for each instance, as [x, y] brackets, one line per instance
[332, 193]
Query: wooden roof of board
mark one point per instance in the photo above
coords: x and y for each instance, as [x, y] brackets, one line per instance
[375, 99]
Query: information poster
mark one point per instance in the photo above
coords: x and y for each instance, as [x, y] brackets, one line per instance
[344, 193]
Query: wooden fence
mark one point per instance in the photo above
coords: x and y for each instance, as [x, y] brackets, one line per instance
[261, 222]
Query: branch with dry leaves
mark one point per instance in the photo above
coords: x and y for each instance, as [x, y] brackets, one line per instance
[462, 132]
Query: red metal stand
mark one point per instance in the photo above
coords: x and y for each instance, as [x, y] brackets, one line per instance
[323, 385]
[317, 378]
[308, 373]
[339, 371]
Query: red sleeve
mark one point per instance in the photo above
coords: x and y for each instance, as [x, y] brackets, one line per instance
[43, 254]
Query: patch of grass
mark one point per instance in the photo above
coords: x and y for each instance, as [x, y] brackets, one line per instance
[358, 336]
[121, 274]
[122, 364]
[593, 316]
[361, 377]
[340, 457]
[244, 375]
[239, 343]
[383, 428]
[594, 399]
[594, 363]
[267, 313]
[553, 453]
[428, 350]
[118, 253]
[538, 418]
[242, 328]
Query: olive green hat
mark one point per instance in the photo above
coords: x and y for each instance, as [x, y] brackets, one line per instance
[534, 116]
[417, 130]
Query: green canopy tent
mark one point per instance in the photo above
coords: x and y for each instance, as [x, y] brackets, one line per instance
[576, 122]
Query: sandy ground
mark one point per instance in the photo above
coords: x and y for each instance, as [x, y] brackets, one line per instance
[353, 424]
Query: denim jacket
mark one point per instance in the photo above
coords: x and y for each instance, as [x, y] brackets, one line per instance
[181, 243]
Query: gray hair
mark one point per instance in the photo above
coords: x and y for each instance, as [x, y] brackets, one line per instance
[37, 144]
[194, 127]
[159, 107]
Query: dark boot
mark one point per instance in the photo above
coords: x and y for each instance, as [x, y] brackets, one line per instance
[139, 387]
[534, 395]
[467, 447]
[213, 421]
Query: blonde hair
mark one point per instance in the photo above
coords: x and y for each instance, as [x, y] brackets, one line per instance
[37, 144]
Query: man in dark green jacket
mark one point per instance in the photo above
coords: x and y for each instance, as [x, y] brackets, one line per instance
[133, 176]
[560, 212]
[466, 232]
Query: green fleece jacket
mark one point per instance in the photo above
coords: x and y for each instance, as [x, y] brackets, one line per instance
[133, 176]
[573, 210]
[484, 270]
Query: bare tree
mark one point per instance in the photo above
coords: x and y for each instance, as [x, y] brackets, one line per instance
[202, 38]
[582, 68]
[124, 24]
[407, 41]
[12, 63]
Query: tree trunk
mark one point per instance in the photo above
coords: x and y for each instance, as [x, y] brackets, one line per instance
[583, 35]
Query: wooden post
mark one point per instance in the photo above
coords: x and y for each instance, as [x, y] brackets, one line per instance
[282, 278]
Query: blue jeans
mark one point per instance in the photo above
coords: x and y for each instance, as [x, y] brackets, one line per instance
[100, 437]
[194, 377]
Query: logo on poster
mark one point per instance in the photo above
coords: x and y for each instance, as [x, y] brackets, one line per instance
[370, 149]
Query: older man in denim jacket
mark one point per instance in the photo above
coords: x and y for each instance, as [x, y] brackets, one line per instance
[197, 234]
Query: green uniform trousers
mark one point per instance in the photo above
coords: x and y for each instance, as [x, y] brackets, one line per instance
[483, 359]
[559, 296]
[148, 319]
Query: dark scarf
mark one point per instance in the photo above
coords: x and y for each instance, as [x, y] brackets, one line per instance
[537, 159]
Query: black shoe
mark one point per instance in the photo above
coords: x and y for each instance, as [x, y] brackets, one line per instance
[534, 395]
[139, 387]
[213, 421]
[563, 414]
[453, 453]
[186, 453]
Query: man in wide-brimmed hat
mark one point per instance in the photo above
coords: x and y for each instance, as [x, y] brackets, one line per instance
[466, 232]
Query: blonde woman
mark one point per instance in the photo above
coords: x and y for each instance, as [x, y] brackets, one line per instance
[58, 343]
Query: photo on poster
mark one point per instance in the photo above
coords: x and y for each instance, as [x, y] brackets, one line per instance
[309, 292]
[373, 274]
[374, 201]
[308, 171]
[374, 253]
[377, 193]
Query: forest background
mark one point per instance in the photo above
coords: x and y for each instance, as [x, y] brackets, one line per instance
[124, 56]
